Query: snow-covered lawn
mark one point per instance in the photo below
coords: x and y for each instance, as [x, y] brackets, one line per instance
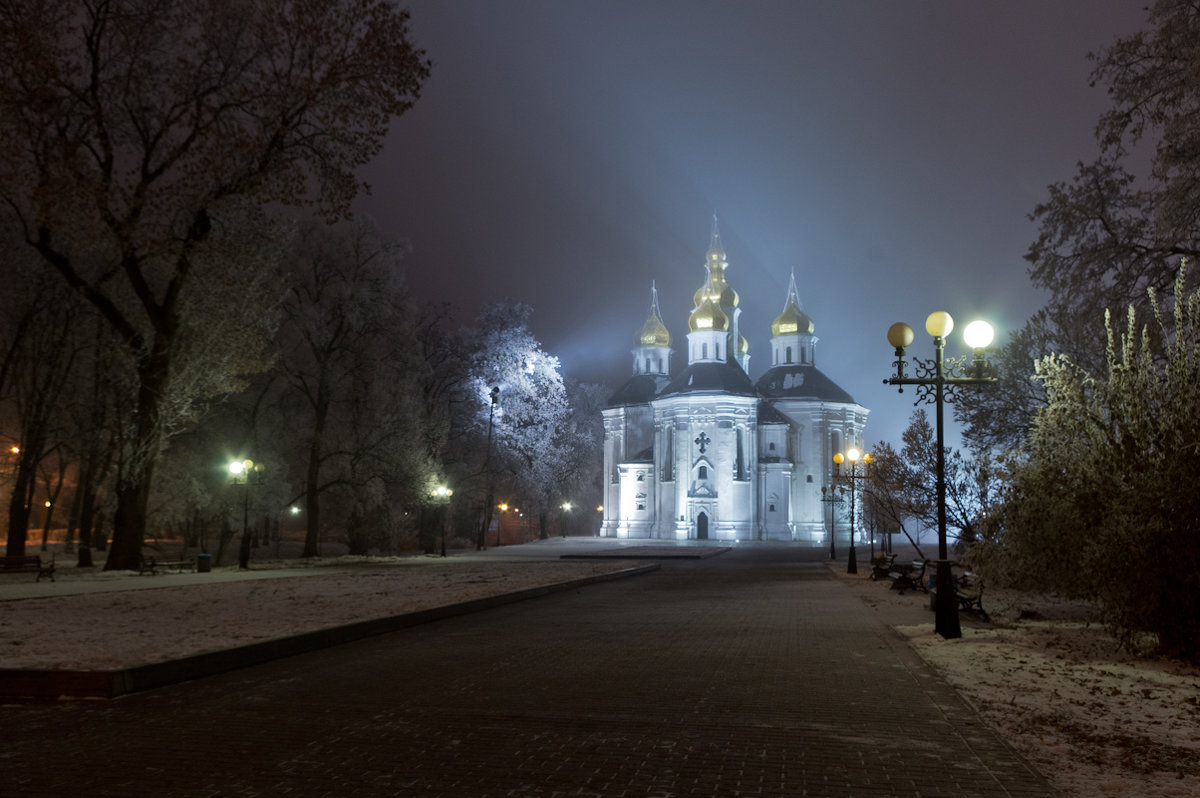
[1095, 719]
[171, 615]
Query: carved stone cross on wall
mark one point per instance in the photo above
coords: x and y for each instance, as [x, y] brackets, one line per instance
[703, 441]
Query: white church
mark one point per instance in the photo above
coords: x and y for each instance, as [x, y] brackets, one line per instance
[708, 454]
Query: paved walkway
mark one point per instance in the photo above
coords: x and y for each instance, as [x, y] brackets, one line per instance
[755, 672]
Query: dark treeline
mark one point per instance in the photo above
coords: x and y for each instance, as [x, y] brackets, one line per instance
[170, 307]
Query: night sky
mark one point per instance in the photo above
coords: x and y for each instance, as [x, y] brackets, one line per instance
[565, 154]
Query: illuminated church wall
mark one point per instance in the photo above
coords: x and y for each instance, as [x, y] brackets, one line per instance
[708, 454]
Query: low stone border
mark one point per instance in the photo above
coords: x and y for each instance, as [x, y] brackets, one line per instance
[651, 553]
[41, 685]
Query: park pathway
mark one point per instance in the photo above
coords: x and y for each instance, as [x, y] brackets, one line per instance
[751, 673]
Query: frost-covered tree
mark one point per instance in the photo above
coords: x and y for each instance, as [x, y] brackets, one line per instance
[1103, 503]
[530, 410]
[903, 487]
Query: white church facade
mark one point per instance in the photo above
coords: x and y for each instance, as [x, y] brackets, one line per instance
[708, 454]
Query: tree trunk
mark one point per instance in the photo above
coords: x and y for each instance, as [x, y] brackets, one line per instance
[133, 484]
[129, 526]
[18, 514]
[312, 479]
[312, 503]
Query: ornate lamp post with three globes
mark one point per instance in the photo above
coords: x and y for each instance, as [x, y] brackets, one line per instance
[935, 380]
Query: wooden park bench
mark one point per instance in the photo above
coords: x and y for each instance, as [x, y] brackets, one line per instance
[150, 565]
[968, 592]
[909, 576]
[28, 565]
[881, 565]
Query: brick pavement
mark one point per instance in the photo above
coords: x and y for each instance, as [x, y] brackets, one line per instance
[754, 673]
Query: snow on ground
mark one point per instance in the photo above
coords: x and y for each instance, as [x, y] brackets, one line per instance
[166, 616]
[1095, 719]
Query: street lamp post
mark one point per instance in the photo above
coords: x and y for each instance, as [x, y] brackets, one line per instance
[491, 484]
[562, 523]
[243, 468]
[935, 379]
[441, 495]
[831, 498]
[853, 477]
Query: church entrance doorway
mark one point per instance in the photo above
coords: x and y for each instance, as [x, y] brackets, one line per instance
[702, 526]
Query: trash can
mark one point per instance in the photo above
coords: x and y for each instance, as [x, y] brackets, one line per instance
[203, 563]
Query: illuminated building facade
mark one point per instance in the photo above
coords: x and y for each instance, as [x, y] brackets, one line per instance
[709, 454]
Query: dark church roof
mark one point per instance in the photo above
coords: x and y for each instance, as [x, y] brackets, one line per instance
[640, 389]
[800, 382]
[726, 377]
[792, 381]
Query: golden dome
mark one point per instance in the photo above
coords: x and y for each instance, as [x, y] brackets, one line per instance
[743, 345]
[654, 332]
[708, 317]
[793, 320]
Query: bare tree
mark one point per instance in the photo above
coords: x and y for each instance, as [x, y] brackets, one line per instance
[347, 361]
[136, 136]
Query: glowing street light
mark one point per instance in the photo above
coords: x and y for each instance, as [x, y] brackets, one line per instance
[935, 378]
[242, 468]
[441, 495]
[853, 455]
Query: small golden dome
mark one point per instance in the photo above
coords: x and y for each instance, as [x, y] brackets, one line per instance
[708, 317]
[793, 320]
[743, 345]
[654, 332]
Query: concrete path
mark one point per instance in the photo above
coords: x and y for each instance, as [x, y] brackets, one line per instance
[755, 672]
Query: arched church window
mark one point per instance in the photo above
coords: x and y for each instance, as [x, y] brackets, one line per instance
[703, 472]
[704, 351]
[771, 446]
[788, 355]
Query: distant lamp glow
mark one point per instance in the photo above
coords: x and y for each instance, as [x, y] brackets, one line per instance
[839, 458]
[939, 324]
[295, 510]
[503, 507]
[852, 454]
[978, 334]
[599, 508]
[566, 506]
